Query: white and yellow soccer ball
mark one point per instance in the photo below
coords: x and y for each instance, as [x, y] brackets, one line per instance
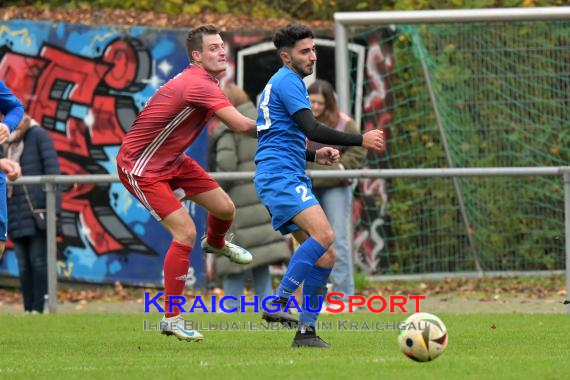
[423, 338]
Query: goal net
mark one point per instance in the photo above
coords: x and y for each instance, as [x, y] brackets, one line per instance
[497, 95]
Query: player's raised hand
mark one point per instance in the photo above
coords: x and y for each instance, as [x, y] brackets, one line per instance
[373, 140]
[4, 133]
[327, 156]
[11, 168]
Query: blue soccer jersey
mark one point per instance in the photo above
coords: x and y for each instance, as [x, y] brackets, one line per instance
[281, 145]
[280, 180]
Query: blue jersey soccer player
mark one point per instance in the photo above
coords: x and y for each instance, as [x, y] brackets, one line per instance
[13, 110]
[284, 122]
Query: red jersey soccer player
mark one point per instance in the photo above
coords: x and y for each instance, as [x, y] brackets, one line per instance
[153, 167]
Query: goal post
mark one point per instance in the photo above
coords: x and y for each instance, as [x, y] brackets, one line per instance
[343, 20]
[464, 88]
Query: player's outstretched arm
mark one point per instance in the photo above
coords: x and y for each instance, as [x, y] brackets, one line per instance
[373, 140]
[231, 117]
[319, 132]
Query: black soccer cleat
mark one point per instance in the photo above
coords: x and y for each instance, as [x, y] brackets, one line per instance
[309, 340]
[280, 316]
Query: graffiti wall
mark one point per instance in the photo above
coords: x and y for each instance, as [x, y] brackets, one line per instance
[85, 85]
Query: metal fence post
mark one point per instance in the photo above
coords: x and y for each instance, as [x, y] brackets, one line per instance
[51, 232]
[342, 70]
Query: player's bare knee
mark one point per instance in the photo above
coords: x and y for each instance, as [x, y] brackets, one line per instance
[187, 240]
[230, 210]
[2, 246]
[187, 237]
[226, 209]
[326, 237]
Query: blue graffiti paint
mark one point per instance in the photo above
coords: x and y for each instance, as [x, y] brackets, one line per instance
[167, 53]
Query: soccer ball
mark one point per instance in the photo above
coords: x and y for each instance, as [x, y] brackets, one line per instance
[423, 338]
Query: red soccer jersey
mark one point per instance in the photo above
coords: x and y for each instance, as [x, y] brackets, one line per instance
[170, 122]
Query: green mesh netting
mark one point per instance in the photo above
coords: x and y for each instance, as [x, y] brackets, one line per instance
[502, 90]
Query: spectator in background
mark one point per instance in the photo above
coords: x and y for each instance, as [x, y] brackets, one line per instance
[335, 194]
[13, 110]
[252, 227]
[31, 146]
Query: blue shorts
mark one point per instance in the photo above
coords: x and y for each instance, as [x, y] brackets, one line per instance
[284, 195]
[3, 209]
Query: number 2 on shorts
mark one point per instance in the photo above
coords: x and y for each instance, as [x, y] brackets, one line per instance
[303, 191]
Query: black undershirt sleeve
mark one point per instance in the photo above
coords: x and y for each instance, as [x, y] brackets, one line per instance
[319, 132]
[311, 155]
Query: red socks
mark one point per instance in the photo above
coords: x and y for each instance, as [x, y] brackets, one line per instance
[217, 229]
[177, 261]
[176, 264]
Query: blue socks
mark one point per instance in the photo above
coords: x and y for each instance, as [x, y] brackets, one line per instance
[314, 291]
[302, 269]
[300, 266]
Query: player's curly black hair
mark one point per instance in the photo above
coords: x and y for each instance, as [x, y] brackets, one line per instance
[194, 37]
[287, 37]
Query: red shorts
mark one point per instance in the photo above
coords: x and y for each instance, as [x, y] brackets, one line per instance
[161, 195]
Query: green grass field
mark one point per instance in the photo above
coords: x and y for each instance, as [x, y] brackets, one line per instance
[109, 346]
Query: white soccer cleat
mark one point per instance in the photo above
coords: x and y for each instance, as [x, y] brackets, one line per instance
[177, 326]
[234, 253]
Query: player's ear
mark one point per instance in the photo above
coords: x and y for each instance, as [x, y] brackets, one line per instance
[285, 56]
[196, 56]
